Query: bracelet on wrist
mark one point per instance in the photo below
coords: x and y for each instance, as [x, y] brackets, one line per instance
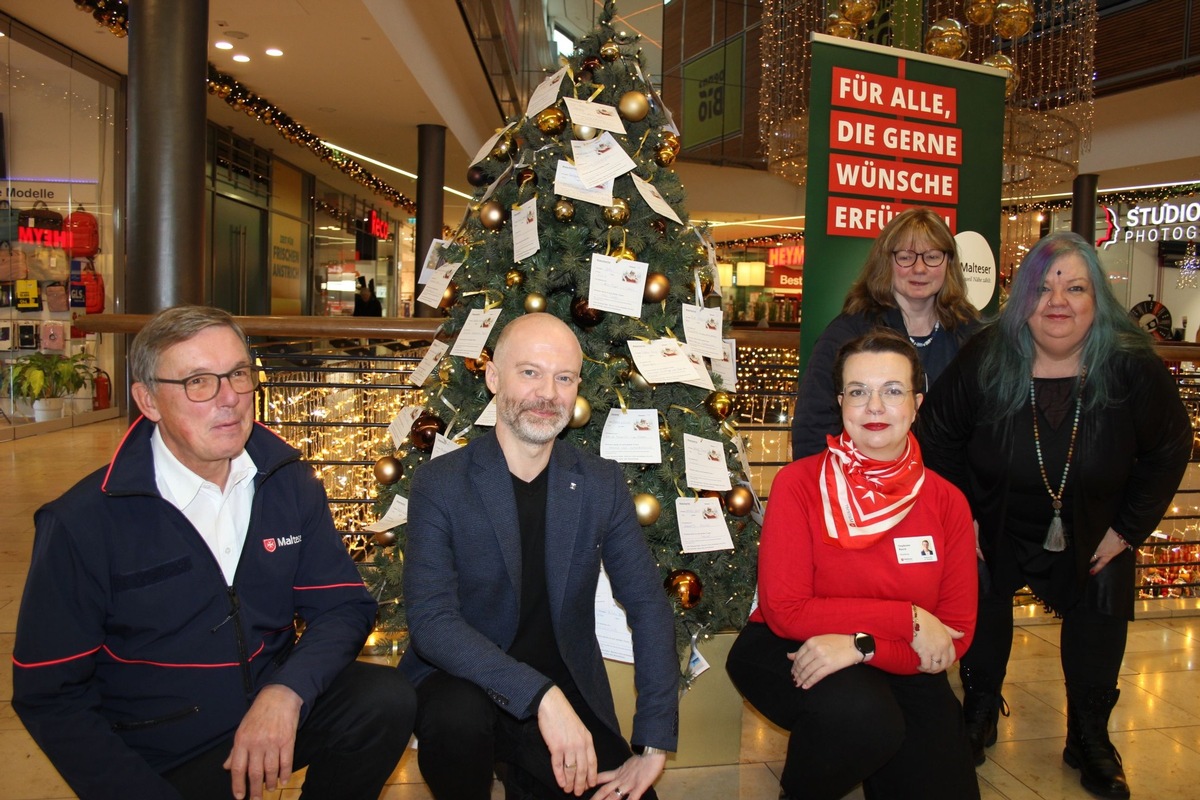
[647, 750]
[1124, 543]
[916, 622]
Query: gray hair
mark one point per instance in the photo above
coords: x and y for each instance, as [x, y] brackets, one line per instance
[169, 328]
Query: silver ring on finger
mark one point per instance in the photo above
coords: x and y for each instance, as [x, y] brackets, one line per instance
[620, 794]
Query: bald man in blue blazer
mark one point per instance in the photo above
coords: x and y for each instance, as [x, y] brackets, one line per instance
[506, 538]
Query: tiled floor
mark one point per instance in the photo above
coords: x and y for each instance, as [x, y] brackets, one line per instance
[1156, 724]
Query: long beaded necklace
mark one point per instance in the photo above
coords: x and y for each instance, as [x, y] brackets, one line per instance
[1056, 540]
[925, 341]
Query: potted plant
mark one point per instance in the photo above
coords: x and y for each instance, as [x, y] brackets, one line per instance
[45, 379]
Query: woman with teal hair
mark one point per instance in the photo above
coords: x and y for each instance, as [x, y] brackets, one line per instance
[1066, 433]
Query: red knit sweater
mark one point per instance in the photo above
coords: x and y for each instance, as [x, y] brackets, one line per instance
[808, 586]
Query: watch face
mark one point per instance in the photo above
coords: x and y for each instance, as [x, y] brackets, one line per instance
[865, 643]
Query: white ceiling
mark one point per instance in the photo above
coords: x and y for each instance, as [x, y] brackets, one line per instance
[364, 73]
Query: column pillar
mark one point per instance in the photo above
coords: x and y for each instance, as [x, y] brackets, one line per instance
[1083, 206]
[168, 42]
[431, 169]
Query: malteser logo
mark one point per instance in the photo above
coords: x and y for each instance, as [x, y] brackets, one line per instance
[283, 541]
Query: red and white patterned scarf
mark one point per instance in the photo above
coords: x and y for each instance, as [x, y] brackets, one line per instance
[862, 499]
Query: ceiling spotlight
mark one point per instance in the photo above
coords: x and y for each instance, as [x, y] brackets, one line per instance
[242, 59]
[274, 51]
[223, 45]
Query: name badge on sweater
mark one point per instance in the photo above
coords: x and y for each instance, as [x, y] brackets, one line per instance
[915, 549]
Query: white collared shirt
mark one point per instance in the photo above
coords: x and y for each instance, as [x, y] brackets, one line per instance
[221, 517]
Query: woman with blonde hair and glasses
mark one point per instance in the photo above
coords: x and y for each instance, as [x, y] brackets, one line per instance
[911, 283]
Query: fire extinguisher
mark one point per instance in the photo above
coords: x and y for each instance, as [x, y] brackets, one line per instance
[101, 391]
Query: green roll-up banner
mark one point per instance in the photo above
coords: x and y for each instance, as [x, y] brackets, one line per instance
[890, 130]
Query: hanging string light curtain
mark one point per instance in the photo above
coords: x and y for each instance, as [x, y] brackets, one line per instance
[114, 15]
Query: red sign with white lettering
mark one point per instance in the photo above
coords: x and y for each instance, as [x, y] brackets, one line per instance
[784, 278]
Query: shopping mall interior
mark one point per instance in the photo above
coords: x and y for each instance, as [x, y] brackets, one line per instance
[316, 118]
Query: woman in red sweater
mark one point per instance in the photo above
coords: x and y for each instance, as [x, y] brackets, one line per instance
[866, 596]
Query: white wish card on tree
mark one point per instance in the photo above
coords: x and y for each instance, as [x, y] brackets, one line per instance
[475, 332]
[617, 285]
[487, 417]
[545, 94]
[702, 328]
[705, 463]
[702, 527]
[402, 423]
[612, 631]
[397, 514]
[433, 355]
[700, 376]
[600, 159]
[433, 259]
[662, 360]
[655, 200]
[568, 183]
[435, 287]
[442, 445]
[525, 230]
[488, 145]
[631, 436]
[725, 367]
[594, 115]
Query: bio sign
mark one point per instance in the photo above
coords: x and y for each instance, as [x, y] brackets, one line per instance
[712, 94]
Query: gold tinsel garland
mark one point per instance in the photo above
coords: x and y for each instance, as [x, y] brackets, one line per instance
[114, 15]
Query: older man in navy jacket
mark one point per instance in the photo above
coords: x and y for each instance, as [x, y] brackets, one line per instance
[505, 542]
[156, 654]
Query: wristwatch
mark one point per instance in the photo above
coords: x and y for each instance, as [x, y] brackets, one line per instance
[865, 643]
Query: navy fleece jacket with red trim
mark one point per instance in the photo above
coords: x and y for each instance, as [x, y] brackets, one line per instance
[132, 654]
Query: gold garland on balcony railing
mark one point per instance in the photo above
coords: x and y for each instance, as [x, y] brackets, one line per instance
[114, 15]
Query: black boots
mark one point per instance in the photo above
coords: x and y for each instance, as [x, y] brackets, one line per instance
[982, 706]
[1088, 747]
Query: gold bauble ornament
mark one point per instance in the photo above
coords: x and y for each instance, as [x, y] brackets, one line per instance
[551, 121]
[514, 278]
[946, 38]
[617, 213]
[658, 286]
[564, 210]
[584, 132]
[669, 139]
[535, 303]
[858, 12]
[979, 12]
[581, 414]
[719, 404]
[502, 148]
[664, 157]
[445, 370]
[647, 508]
[634, 106]
[739, 501]
[384, 538]
[839, 26]
[639, 382]
[388, 470]
[450, 296]
[684, 585]
[1004, 64]
[609, 51]
[623, 254]
[1013, 18]
[492, 215]
[479, 364]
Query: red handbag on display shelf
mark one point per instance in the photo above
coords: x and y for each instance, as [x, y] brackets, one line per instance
[85, 233]
[93, 288]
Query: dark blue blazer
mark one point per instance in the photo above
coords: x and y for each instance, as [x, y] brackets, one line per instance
[462, 583]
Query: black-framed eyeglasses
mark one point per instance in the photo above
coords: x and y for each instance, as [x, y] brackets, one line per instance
[204, 386]
[859, 396]
[932, 258]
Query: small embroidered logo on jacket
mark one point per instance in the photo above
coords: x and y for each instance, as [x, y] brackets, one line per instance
[282, 541]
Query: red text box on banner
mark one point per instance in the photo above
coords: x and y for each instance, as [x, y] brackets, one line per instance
[865, 219]
[867, 91]
[864, 133]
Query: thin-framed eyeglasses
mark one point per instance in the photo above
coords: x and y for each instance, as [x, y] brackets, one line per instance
[859, 396]
[204, 386]
[932, 258]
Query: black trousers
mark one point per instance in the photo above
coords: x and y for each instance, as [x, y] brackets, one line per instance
[901, 736]
[462, 737]
[1092, 643]
[351, 740]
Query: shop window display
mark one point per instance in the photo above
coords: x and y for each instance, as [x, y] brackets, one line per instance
[58, 129]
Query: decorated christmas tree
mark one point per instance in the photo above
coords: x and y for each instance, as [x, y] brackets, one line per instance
[578, 213]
